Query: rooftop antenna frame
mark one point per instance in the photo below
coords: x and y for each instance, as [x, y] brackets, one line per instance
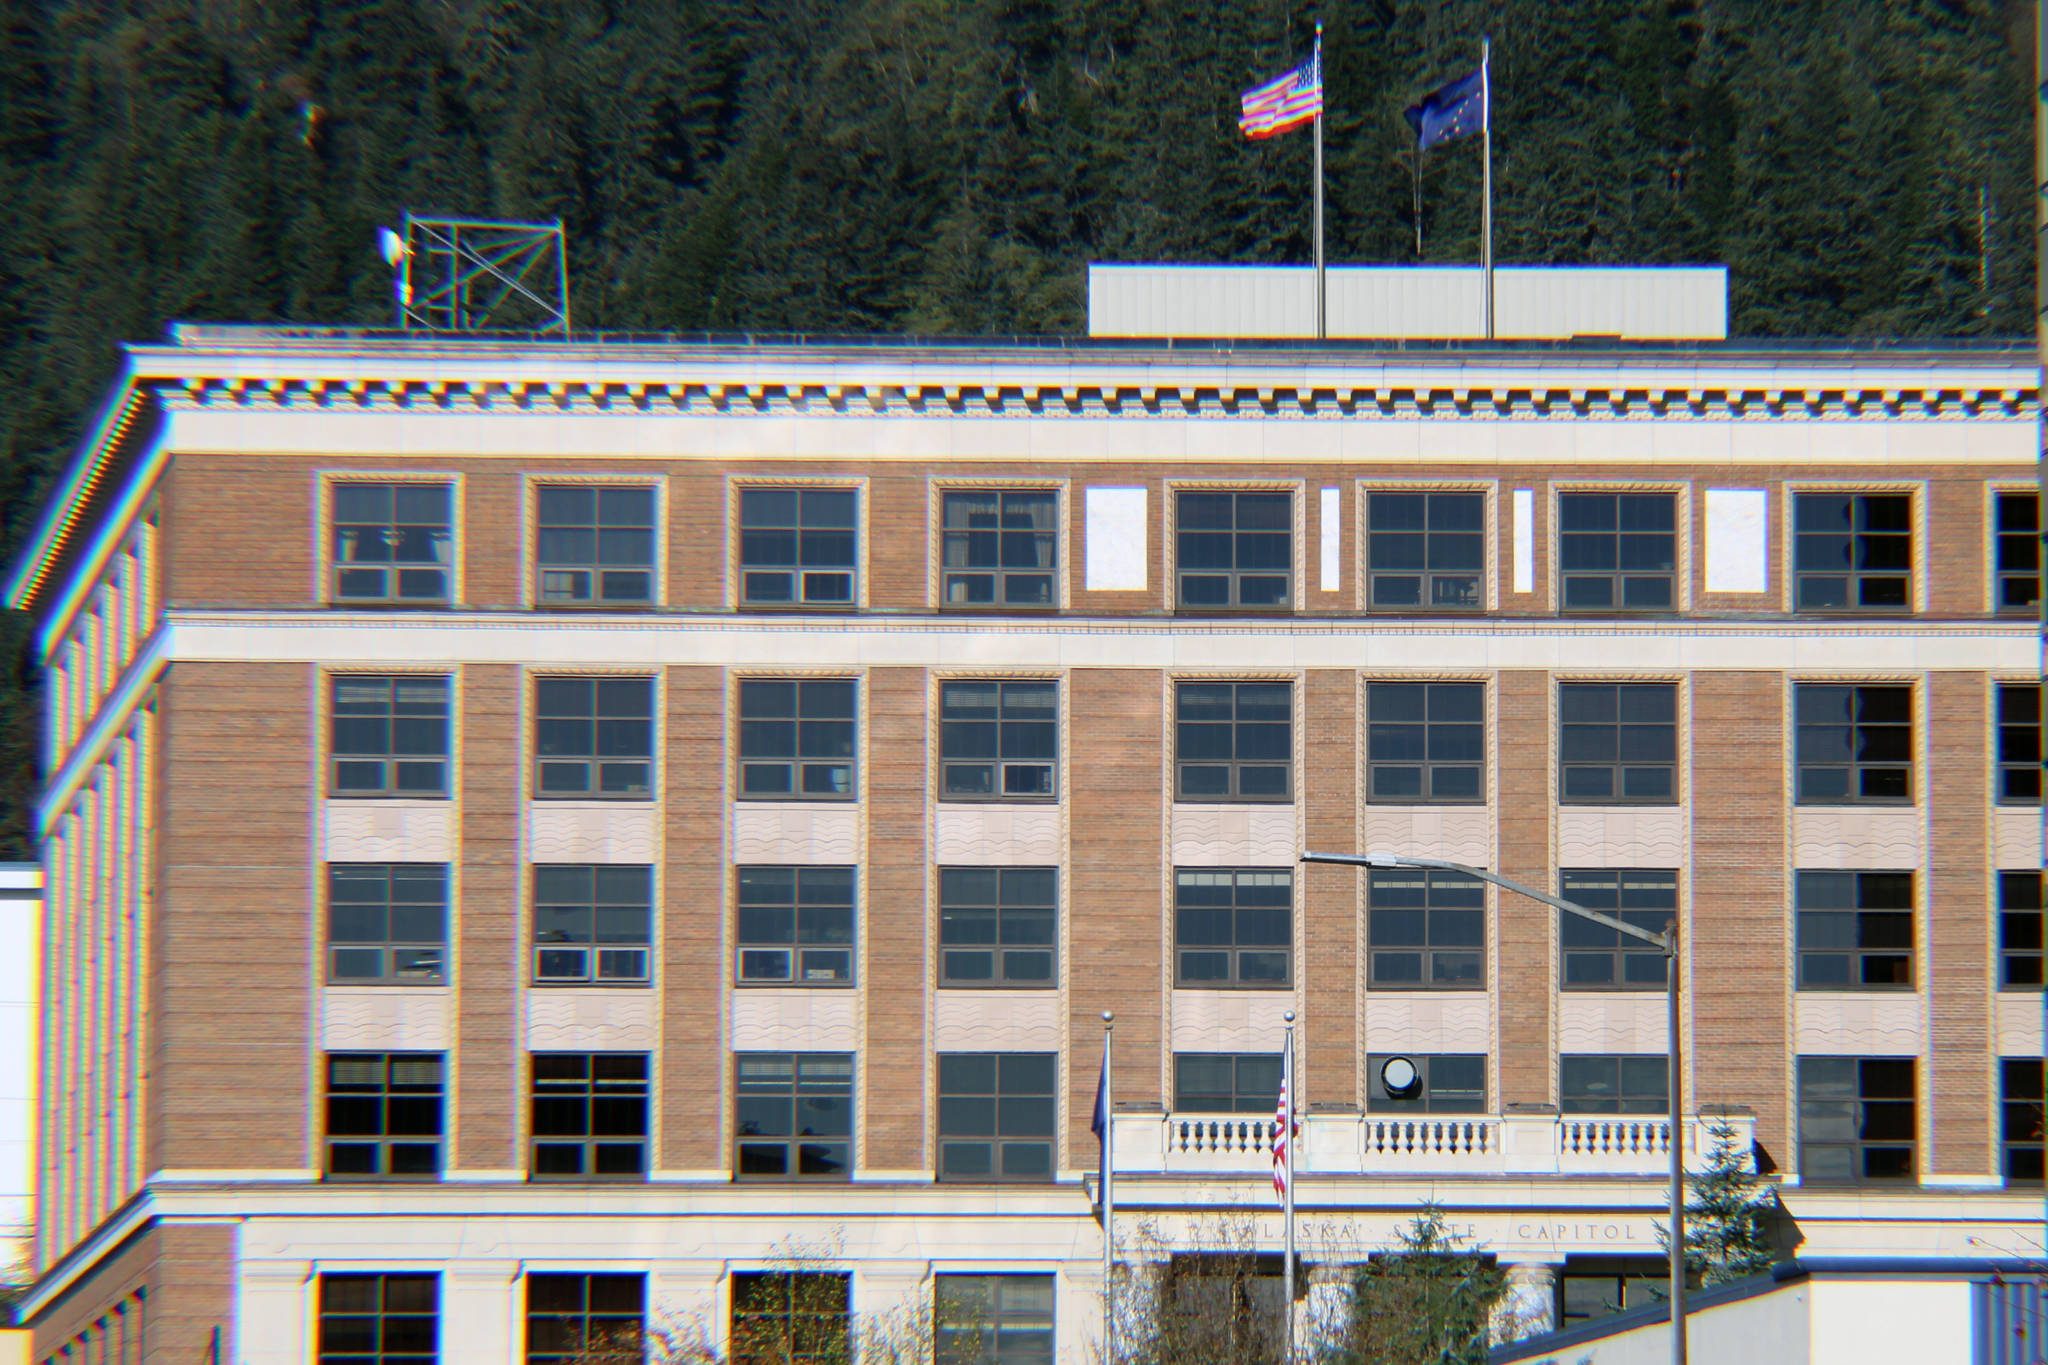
[476, 274]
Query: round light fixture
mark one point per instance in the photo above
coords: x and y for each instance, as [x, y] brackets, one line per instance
[1401, 1078]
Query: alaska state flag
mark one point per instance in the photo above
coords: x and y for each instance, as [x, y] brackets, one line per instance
[1451, 112]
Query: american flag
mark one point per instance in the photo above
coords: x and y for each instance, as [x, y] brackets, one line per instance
[1286, 101]
[1284, 1129]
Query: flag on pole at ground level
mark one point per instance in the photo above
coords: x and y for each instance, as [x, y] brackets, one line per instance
[1285, 1128]
[1450, 112]
[1285, 101]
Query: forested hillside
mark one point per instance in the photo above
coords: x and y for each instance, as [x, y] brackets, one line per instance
[950, 165]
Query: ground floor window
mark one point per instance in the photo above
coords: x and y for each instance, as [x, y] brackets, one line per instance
[574, 1319]
[788, 1317]
[995, 1319]
[1591, 1287]
[379, 1319]
[2020, 1119]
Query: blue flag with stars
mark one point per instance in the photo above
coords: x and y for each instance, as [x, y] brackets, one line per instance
[1451, 112]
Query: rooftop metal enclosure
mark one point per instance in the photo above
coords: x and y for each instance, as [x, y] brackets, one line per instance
[1394, 302]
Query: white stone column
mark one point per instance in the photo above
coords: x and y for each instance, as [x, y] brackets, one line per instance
[274, 1313]
[1324, 1314]
[480, 1303]
[688, 1305]
[1530, 1305]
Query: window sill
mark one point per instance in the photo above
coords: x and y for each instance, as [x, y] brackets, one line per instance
[342, 605]
[1206, 802]
[595, 606]
[643, 798]
[533, 1179]
[1659, 989]
[1428, 803]
[846, 1179]
[594, 985]
[1269, 987]
[794, 985]
[802, 608]
[437, 983]
[985, 986]
[1907, 804]
[1859, 988]
[1436, 987]
[1611, 801]
[801, 799]
[950, 799]
[333, 1179]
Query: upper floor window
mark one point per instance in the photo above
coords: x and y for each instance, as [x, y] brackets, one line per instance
[1852, 551]
[589, 1119]
[1599, 958]
[796, 738]
[379, 1319]
[1235, 550]
[1623, 1083]
[1856, 1119]
[2018, 552]
[393, 542]
[998, 740]
[594, 737]
[1449, 1083]
[384, 1115]
[592, 923]
[1854, 744]
[2019, 744]
[578, 1319]
[997, 926]
[388, 736]
[596, 545]
[1425, 551]
[1855, 930]
[798, 546]
[796, 926]
[1617, 743]
[791, 1317]
[1425, 928]
[2019, 931]
[1233, 928]
[996, 1112]
[2021, 1112]
[1234, 741]
[1000, 548]
[1619, 551]
[1426, 742]
[795, 1114]
[1226, 1083]
[387, 923]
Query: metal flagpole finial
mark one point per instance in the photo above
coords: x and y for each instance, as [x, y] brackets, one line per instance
[1288, 1017]
[1109, 1018]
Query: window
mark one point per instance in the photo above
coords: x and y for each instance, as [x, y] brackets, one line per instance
[1000, 548]
[797, 546]
[585, 1319]
[994, 1319]
[1235, 741]
[1217, 1306]
[1426, 929]
[1235, 550]
[592, 923]
[2020, 1119]
[1426, 742]
[795, 1113]
[596, 545]
[2018, 552]
[1452, 1083]
[1233, 928]
[1597, 1286]
[384, 1115]
[791, 1318]
[1624, 1084]
[996, 1115]
[998, 740]
[796, 738]
[1855, 930]
[1852, 551]
[388, 736]
[589, 1115]
[595, 737]
[1617, 743]
[2019, 744]
[386, 923]
[2019, 931]
[392, 543]
[796, 926]
[1596, 957]
[1426, 550]
[379, 1319]
[1620, 551]
[1856, 1119]
[1855, 744]
[996, 926]
[1226, 1083]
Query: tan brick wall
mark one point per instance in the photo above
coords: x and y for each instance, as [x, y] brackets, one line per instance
[230, 1072]
[1523, 933]
[694, 967]
[898, 529]
[1115, 813]
[238, 531]
[699, 516]
[1959, 1082]
[1738, 920]
[490, 958]
[1331, 896]
[185, 1274]
[493, 513]
[896, 1053]
[1956, 557]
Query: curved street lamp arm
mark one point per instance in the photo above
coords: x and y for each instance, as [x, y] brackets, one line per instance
[1668, 942]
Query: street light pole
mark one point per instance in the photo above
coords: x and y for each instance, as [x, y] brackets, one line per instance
[1668, 941]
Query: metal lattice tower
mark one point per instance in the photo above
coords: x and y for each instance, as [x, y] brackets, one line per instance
[471, 275]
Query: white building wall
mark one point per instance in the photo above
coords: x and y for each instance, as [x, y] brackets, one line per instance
[21, 891]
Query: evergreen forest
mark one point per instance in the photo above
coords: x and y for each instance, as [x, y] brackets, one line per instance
[949, 166]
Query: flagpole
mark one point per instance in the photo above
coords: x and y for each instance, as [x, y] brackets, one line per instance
[1486, 132]
[1322, 326]
[1287, 1126]
[1108, 1195]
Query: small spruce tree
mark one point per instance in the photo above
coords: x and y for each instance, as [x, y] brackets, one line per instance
[1731, 1216]
[1431, 1302]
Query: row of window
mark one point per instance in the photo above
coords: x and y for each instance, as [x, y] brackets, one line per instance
[1233, 741]
[1232, 927]
[597, 545]
[794, 1112]
[778, 1317]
